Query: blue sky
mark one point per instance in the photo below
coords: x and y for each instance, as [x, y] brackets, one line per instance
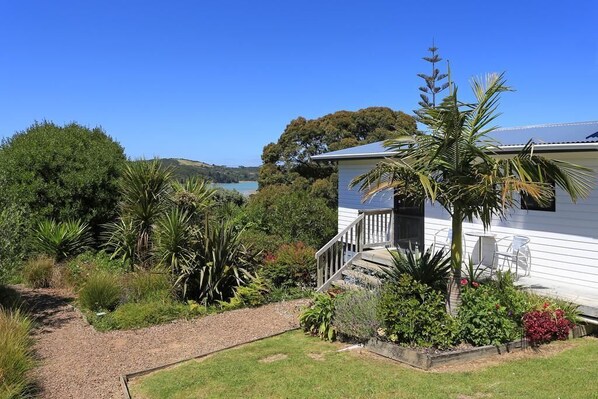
[216, 81]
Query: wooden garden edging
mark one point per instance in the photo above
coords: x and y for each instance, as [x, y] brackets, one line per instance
[426, 361]
[124, 379]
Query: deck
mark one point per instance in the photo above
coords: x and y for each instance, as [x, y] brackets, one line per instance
[586, 298]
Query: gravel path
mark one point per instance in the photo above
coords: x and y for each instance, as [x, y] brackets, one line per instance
[78, 362]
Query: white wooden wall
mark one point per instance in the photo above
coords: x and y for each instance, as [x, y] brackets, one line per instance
[350, 200]
[564, 243]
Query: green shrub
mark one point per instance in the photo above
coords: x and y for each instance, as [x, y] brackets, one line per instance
[101, 291]
[261, 242]
[15, 241]
[355, 314]
[79, 269]
[510, 296]
[293, 214]
[427, 268]
[38, 272]
[16, 356]
[62, 172]
[291, 265]
[414, 314]
[142, 314]
[251, 295]
[147, 285]
[61, 240]
[317, 319]
[84, 265]
[278, 294]
[483, 319]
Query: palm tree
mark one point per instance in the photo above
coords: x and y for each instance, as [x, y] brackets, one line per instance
[455, 164]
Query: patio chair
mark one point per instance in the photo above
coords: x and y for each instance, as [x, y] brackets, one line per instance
[443, 240]
[517, 252]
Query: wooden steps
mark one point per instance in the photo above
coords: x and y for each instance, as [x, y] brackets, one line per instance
[362, 279]
[366, 271]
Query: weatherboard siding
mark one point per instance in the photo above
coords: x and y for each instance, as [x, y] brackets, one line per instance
[564, 243]
[350, 200]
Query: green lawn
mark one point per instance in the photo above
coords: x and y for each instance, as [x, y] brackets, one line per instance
[295, 366]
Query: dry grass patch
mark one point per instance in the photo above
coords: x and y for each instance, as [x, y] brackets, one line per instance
[274, 358]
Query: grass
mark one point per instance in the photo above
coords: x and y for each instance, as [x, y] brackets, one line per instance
[37, 272]
[293, 365]
[16, 357]
[133, 315]
[158, 307]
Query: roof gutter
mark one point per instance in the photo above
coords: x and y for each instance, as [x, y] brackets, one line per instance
[324, 157]
[506, 149]
[551, 147]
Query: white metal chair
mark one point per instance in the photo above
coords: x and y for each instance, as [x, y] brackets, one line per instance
[443, 239]
[517, 252]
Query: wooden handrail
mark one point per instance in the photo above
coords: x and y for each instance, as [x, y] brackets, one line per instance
[372, 227]
[339, 235]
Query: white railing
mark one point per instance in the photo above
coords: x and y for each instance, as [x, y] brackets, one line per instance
[372, 228]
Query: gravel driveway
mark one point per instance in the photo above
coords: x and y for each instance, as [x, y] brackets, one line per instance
[78, 362]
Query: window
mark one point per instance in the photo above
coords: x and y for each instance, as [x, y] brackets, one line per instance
[531, 204]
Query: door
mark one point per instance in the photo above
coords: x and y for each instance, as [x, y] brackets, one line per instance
[408, 224]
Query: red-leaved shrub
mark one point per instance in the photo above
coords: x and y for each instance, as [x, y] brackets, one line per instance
[291, 265]
[542, 326]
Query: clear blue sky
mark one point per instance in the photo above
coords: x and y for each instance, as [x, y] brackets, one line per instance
[217, 80]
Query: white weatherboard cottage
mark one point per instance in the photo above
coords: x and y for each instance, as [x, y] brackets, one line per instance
[563, 245]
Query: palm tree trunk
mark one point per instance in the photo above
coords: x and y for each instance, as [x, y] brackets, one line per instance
[454, 288]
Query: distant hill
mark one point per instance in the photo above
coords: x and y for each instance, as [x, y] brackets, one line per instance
[185, 168]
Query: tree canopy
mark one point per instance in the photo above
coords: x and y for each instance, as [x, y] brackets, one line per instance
[61, 172]
[289, 158]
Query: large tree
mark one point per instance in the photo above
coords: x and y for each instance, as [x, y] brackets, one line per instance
[288, 160]
[454, 163]
[61, 172]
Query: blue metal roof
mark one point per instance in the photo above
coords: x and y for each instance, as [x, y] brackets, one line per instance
[546, 136]
[372, 150]
[578, 132]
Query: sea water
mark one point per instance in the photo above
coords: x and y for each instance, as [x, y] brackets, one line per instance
[244, 187]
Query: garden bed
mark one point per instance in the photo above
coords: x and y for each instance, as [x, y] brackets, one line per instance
[423, 359]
